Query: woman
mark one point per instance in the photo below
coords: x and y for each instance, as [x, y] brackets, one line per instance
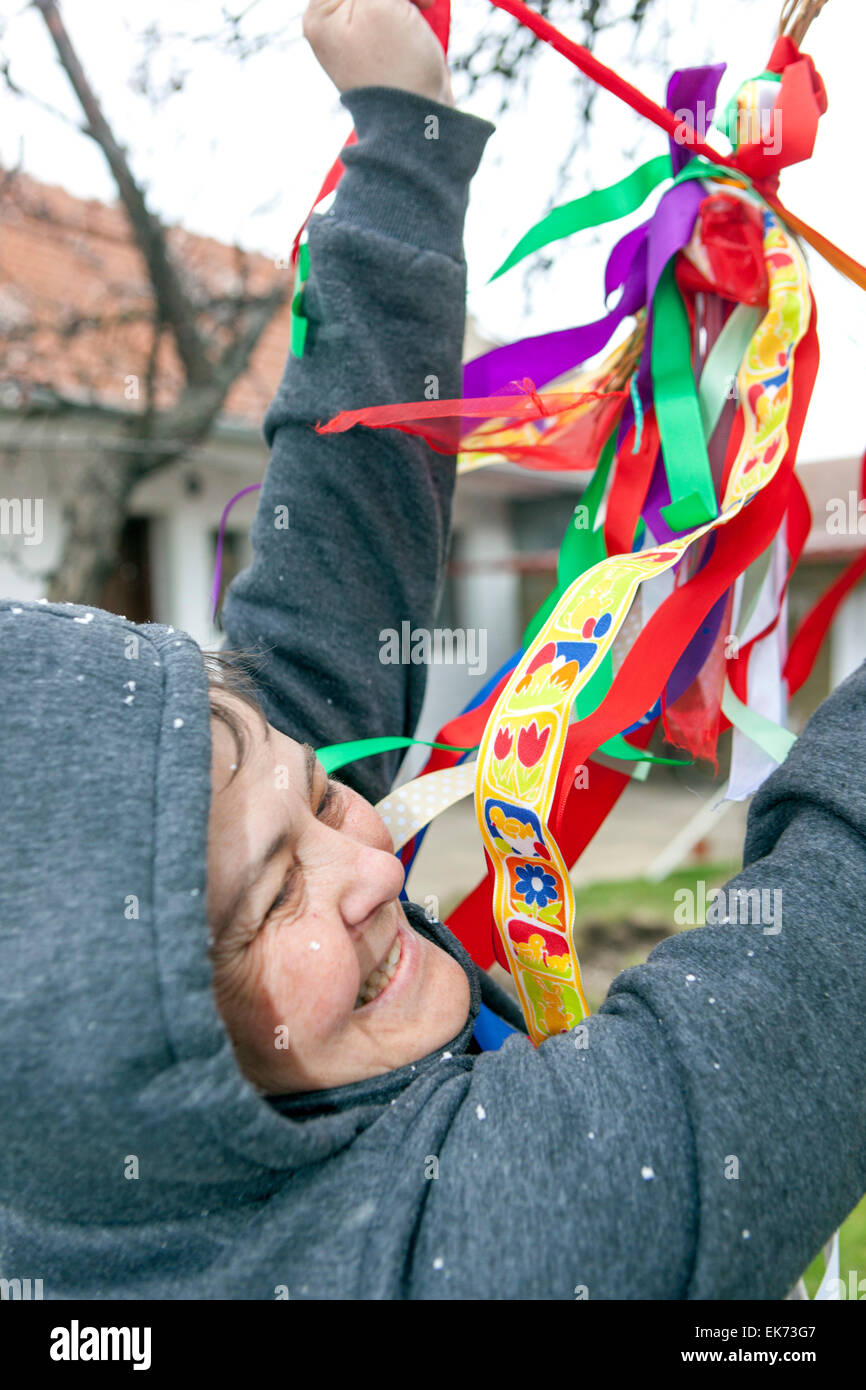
[233, 1064]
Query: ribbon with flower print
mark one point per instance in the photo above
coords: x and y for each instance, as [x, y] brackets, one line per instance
[522, 746]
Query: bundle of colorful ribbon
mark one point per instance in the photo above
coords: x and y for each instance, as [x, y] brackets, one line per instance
[689, 431]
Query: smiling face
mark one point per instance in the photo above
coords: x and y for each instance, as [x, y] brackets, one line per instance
[318, 975]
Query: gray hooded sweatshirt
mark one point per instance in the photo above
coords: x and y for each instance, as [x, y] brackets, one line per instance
[135, 1159]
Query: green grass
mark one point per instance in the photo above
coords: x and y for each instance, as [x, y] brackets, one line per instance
[641, 903]
[639, 900]
[852, 1254]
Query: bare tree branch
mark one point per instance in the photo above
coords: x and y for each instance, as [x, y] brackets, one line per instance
[198, 406]
[12, 85]
[175, 309]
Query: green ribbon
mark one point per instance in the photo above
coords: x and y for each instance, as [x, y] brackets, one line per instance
[602, 205]
[723, 363]
[772, 738]
[687, 416]
[299, 321]
[575, 556]
[684, 449]
[336, 755]
[583, 546]
[637, 407]
[610, 204]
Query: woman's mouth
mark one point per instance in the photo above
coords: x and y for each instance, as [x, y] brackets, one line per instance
[382, 976]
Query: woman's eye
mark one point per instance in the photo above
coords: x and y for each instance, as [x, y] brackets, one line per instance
[331, 803]
[330, 810]
[286, 894]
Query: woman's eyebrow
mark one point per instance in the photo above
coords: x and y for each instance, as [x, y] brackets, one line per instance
[309, 768]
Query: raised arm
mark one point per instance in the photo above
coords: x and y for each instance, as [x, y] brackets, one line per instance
[368, 511]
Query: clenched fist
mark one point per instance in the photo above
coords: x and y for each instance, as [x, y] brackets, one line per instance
[378, 43]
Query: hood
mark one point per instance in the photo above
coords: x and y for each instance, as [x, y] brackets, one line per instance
[120, 1096]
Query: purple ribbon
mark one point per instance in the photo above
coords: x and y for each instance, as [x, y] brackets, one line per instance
[670, 229]
[546, 357]
[621, 257]
[658, 496]
[699, 647]
[692, 91]
[218, 561]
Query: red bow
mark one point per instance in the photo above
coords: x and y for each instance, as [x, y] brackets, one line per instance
[801, 102]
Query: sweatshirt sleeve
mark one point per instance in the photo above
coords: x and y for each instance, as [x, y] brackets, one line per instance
[368, 511]
[705, 1132]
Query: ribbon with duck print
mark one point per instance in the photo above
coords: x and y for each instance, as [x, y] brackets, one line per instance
[521, 749]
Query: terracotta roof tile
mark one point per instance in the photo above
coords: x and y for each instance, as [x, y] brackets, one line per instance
[75, 301]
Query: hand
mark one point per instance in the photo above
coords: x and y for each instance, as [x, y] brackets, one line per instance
[378, 43]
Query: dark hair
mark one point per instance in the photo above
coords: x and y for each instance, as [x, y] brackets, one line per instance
[231, 673]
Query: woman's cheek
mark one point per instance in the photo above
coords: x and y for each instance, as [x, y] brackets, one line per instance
[310, 985]
[261, 1009]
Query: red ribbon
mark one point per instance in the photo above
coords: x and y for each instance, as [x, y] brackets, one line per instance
[570, 441]
[799, 106]
[813, 629]
[654, 654]
[799, 524]
[630, 486]
[612, 82]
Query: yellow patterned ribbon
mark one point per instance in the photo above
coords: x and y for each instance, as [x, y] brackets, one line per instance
[523, 741]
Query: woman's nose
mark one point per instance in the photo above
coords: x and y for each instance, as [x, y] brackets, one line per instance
[368, 879]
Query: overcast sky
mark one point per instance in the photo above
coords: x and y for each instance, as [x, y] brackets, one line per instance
[240, 151]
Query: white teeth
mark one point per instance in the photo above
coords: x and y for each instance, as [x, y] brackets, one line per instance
[381, 976]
